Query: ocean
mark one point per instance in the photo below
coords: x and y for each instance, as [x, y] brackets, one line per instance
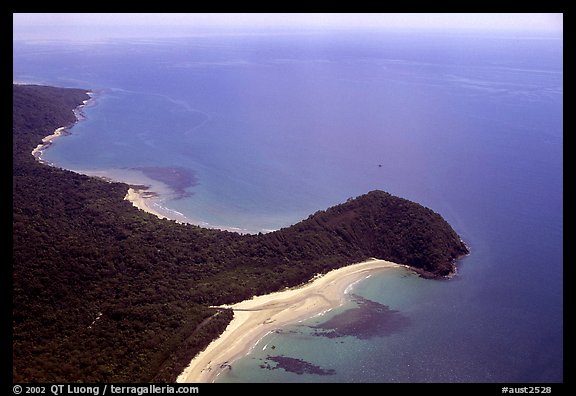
[254, 132]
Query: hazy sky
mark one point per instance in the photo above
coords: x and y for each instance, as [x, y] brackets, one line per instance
[493, 22]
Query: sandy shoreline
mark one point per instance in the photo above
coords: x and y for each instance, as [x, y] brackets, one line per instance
[144, 192]
[140, 199]
[145, 200]
[46, 142]
[61, 131]
[255, 318]
[150, 201]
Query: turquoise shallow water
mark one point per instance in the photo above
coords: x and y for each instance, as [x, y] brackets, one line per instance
[437, 332]
[255, 132]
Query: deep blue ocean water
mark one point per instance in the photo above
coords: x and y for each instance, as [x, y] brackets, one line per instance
[255, 132]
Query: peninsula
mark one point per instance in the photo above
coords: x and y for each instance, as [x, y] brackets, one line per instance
[105, 292]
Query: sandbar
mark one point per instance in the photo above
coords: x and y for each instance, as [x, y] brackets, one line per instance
[255, 318]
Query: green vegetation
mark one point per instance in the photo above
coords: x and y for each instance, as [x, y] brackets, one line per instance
[105, 292]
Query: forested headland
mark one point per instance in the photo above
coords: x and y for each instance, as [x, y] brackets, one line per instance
[104, 292]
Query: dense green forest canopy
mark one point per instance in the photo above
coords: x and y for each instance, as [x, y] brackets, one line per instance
[103, 291]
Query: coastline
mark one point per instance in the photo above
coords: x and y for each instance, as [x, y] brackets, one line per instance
[46, 142]
[62, 131]
[140, 199]
[255, 318]
[144, 192]
[145, 199]
[148, 197]
[139, 194]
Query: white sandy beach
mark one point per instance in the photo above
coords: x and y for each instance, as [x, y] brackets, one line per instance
[149, 201]
[148, 198]
[255, 318]
[37, 152]
[142, 200]
[47, 141]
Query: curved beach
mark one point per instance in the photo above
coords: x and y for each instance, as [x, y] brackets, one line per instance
[46, 142]
[141, 199]
[255, 318]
